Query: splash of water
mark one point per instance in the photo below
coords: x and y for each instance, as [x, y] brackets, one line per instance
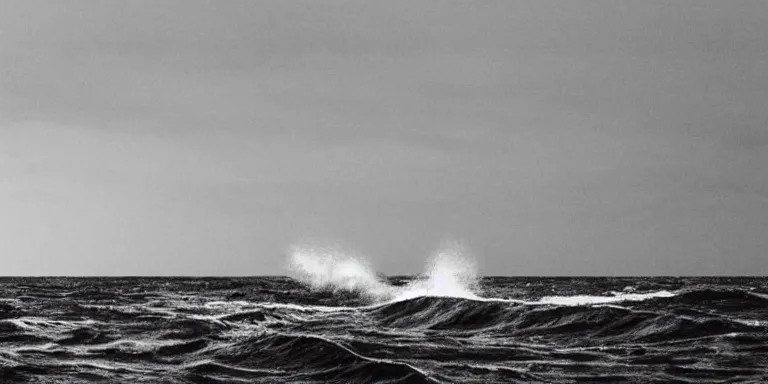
[330, 269]
[448, 273]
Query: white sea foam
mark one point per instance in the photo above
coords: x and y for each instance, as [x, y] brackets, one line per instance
[45, 326]
[328, 268]
[593, 300]
[448, 273]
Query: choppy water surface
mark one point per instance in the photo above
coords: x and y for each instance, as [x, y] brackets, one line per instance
[277, 330]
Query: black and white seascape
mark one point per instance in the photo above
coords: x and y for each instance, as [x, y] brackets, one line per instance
[337, 321]
[383, 191]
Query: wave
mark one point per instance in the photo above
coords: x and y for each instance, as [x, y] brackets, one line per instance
[317, 358]
[86, 335]
[189, 328]
[447, 274]
[606, 322]
[441, 312]
[196, 331]
[728, 300]
[208, 371]
[501, 373]
[328, 269]
[593, 300]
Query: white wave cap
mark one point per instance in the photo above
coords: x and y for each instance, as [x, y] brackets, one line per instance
[448, 273]
[591, 300]
[328, 268]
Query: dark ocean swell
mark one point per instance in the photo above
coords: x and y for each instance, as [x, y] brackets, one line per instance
[275, 330]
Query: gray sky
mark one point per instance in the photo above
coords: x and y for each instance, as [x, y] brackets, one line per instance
[550, 137]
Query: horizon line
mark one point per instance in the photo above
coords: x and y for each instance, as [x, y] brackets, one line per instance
[396, 275]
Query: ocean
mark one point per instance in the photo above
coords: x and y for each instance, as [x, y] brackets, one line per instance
[295, 330]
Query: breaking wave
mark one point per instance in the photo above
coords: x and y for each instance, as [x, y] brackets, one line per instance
[605, 322]
[447, 274]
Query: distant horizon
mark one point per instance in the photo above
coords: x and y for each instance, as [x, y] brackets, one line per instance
[390, 276]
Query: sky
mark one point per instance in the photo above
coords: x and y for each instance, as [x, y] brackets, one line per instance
[546, 137]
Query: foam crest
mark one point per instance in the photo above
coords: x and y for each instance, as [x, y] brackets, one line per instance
[580, 300]
[329, 269]
[448, 274]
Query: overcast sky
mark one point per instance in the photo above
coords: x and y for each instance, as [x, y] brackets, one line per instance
[549, 137]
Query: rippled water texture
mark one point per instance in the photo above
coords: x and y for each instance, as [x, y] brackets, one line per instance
[278, 330]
